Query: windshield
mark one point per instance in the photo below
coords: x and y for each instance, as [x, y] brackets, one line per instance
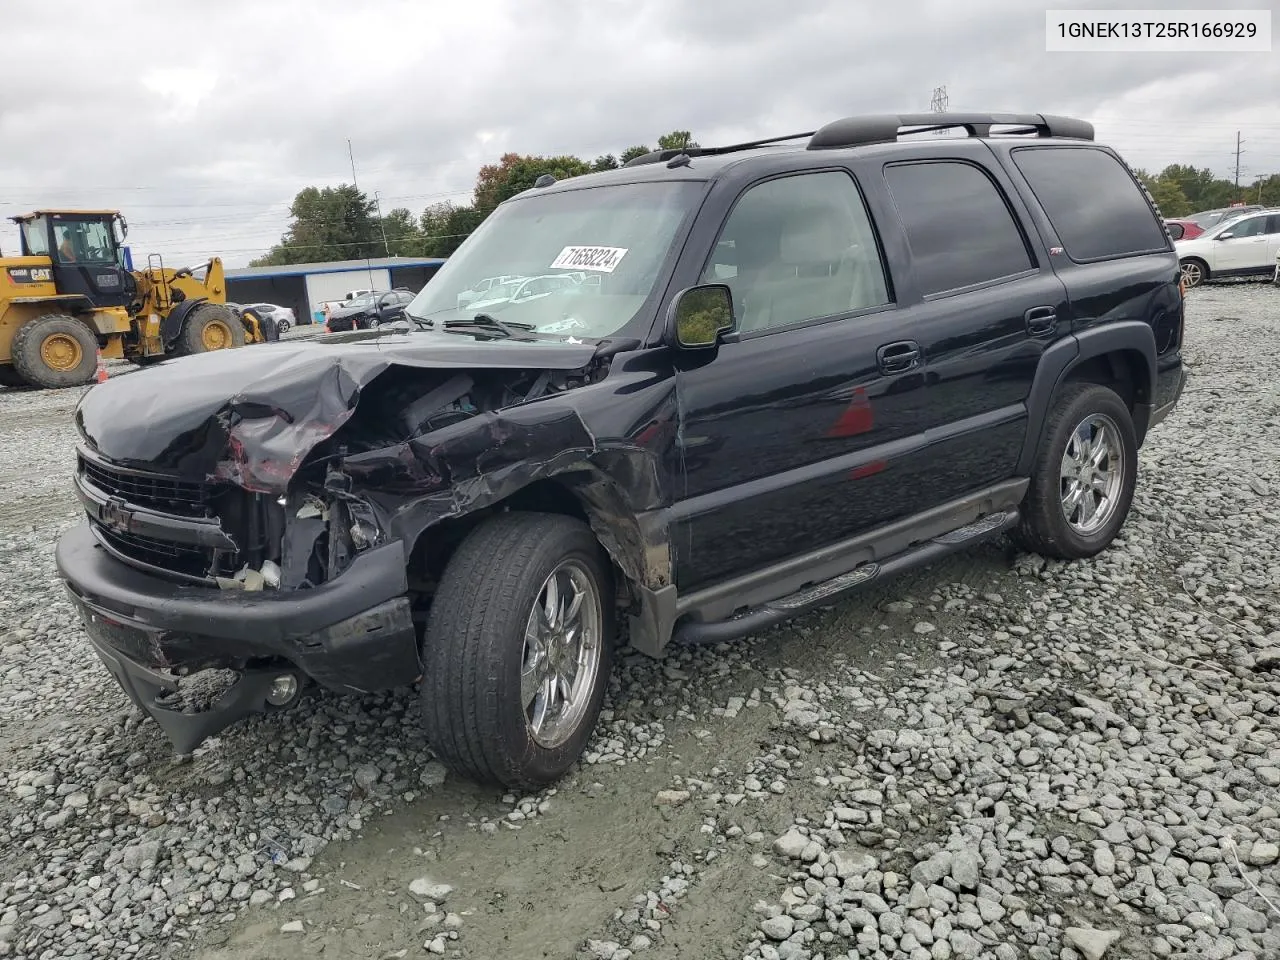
[356, 302]
[578, 263]
[1211, 218]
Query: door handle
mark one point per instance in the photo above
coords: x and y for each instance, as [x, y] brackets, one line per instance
[897, 357]
[1040, 320]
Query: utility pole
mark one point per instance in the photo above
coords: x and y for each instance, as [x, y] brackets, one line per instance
[354, 183]
[939, 105]
[1238, 143]
[377, 205]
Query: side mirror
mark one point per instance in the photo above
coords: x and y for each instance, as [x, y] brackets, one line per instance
[1225, 236]
[700, 315]
[1177, 230]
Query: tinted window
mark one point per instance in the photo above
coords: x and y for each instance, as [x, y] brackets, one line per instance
[798, 248]
[1093, 202]
[1273, 223]
[958, 224]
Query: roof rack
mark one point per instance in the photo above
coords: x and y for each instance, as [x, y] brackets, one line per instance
[885, 128]
[859, 131]
[661, 156]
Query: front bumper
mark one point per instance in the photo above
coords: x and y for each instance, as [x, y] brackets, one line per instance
[354, 634]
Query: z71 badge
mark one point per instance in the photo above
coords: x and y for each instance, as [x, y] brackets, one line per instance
[31, 274]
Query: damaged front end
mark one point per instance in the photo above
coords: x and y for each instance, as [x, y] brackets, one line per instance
[271, 535]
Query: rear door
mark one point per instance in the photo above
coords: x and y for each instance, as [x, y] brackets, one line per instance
[1273, 238]
[984, 302]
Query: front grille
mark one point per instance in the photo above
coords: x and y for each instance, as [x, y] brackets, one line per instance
[179, 558]
[182, 498]
[238, 513]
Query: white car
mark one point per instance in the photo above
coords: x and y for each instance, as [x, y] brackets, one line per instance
[478, 290]
[1243, 247]
[283, 316]
[525, 290]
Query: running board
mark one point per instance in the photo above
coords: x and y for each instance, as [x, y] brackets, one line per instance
[766, 615]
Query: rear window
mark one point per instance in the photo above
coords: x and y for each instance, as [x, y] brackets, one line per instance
[1094, 203]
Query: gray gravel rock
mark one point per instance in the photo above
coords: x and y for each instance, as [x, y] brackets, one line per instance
[1061, 745]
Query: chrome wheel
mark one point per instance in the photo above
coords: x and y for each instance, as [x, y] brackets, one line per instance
[562, 650]
[1192, 273]
[1092, 474]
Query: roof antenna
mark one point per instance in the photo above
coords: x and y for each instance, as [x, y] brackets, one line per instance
[679, 160]
[545, 180]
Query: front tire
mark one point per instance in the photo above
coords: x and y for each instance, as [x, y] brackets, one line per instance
[55, 351]
[518, 650]
[211, 326]
[1084, 476]
[1194, 272]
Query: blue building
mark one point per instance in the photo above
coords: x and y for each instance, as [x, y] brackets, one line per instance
[304, 287]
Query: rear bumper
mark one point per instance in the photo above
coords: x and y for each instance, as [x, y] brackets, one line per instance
[354, 634]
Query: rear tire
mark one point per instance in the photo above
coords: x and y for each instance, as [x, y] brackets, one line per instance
[1088, 458]
[495, 666]
[55, 351]
[211, 326]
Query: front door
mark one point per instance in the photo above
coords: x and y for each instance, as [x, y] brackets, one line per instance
[1247, 247]
[85, 261]
[795, 434]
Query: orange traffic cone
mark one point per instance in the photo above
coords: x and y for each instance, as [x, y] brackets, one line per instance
[101, 374]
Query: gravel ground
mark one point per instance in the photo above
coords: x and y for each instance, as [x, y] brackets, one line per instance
[993, 758]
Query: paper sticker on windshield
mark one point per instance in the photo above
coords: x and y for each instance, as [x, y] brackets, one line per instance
[603, 259]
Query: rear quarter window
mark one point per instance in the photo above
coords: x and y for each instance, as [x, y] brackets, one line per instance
[1095, 205]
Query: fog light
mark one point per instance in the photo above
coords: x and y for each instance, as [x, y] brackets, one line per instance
[283, 689]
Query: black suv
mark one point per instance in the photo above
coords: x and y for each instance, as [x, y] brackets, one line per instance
[778, 371]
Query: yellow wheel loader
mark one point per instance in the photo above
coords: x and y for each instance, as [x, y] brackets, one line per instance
[74, 294]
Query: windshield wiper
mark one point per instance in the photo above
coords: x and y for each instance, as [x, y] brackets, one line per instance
[484, 321]
[422, 322]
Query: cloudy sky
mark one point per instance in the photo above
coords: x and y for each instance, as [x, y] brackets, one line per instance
[202, 120]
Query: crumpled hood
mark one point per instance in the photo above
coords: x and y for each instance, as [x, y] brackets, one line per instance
[252, 414]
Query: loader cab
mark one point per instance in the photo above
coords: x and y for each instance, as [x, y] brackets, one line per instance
[86, 248]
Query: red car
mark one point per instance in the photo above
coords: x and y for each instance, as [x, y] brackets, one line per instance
[1184, 229]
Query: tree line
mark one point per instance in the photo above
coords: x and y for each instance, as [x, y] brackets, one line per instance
[342, 223]
[1181, 190]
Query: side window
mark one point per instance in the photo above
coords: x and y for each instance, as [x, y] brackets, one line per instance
[1095, 205]
[1273, 223]
[35, 233]
[1247, 227]
[799, 248]
[958, 224]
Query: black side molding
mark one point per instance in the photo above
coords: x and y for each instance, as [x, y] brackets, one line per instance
[769, 614]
